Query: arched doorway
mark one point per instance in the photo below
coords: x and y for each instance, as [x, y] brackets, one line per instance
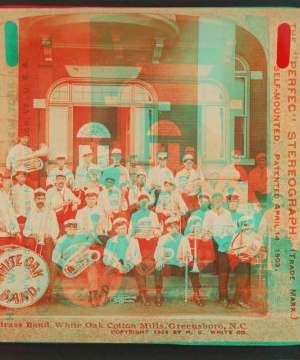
[97, 137]
[166, 134]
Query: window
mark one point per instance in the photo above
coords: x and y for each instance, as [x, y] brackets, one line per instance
[212, 108]
[242, 93]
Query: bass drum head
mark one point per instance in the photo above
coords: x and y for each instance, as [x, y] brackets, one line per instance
[106, 280]
[24, 277]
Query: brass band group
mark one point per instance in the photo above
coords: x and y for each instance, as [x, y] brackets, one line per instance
[149, 222]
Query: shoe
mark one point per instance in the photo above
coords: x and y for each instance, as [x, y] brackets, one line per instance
[158, 300]
[145, 300]
[224, 302]
[243, 304]
[197, 299]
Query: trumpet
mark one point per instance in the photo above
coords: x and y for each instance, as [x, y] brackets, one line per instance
[195, 268]
[144, 269]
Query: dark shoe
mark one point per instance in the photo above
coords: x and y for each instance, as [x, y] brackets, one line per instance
[145, 300]
[197, 299]
[243, 304]
[158, 300]
[224, 302]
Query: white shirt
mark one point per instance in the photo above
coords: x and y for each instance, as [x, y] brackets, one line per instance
[17, 152]
[84, 220]
[22, 199]
[58, 198]
[41, 222]
[8, 219]
[219, 225]
[158, 176]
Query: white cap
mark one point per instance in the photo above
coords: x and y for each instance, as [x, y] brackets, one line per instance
[172, 219]
[40, 191]
[86, 151]
[245, 218]
[142, 171]
[119, 221]
[61, 156]
[116, 151]
[70, 222]
[90, 191]
[188, 157]
[144, 219]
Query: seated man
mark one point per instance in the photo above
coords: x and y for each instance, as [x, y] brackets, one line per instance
[219, 224]
[62, 201]
[166, 253]
[89, 217]
[61, 169]
[67, 246]
[141, 252]
[246, 248]
[41, 227]
[143, 211]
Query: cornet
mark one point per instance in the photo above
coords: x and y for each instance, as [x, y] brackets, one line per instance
[195, 268]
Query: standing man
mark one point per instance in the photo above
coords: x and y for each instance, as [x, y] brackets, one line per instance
[9, 227]
[41, 227]
[260, 181]
[22, 198]
[61, 169]
[159, 174]
[218, 222]
[18, 152]
[122, 175]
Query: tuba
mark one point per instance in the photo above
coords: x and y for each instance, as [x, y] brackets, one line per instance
[33, 162]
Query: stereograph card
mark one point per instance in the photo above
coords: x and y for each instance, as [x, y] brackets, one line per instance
[149, 175]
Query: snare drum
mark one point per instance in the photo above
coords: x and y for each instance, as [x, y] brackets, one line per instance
[24, 277]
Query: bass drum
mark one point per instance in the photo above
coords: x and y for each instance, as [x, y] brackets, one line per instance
[24, 277]
[84, 272]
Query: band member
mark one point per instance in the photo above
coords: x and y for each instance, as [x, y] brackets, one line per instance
[188, 171]
[189, 192]
[234, 171]
[41, 227]
[67, 246]
[140, 189]
[196, 250]
[19, 151]
[122, 175]
[212, 185]
[144, 211]
[61, 169]
[159, 174]
[89, 217]
[22, 198]
[116, 247]
[141, 252]
[163, 209]
[62, 201]
[205, 205]
[85, 165]
[133, 164]
[218, 222]
[245, 249]
[9, 227]
[166, 253]
[176, 198]
[260, 181]
[232, 205]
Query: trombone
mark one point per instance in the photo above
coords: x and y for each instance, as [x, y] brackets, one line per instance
[195, 268]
